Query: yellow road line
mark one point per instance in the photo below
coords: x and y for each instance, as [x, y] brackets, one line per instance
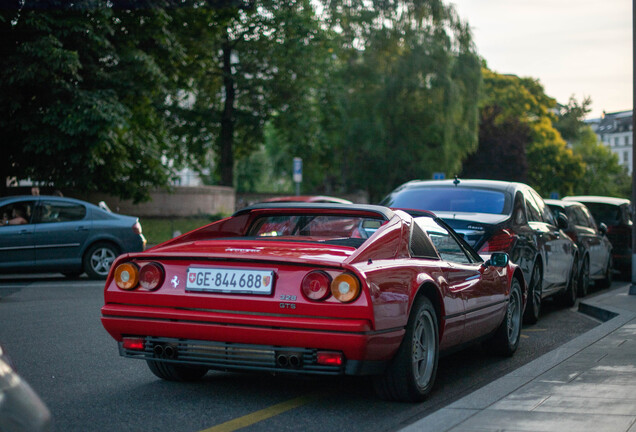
[533, 330]
[261, 415]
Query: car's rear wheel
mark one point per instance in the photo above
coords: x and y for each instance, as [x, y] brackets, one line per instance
[98, 259]
[411, 373]
[533, 307]
[172, 372]
[568, 298]
[506, 338]
[584, 277]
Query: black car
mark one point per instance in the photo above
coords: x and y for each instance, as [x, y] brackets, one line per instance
[498, 216]
[616, 214]
[65, 235]
[595, 249]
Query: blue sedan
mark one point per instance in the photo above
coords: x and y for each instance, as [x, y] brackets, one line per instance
[54, 234]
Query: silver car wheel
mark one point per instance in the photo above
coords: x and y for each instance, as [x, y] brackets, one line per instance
[101, 260]
[423, 355]
[513, 316]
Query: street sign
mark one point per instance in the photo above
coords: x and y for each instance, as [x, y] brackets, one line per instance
[439, 176]
[298, 170]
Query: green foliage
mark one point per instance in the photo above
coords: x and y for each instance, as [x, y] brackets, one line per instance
[603, 173]
[518, 117]
[398, 99]
[82, 96]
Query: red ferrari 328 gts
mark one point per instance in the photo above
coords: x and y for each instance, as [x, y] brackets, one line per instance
[321, 289]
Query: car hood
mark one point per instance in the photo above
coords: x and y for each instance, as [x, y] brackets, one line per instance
[306, 252]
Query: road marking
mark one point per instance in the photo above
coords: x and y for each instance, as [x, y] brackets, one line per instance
[261, 415]
[525, 336]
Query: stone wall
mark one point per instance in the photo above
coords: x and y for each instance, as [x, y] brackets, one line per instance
[182, 201]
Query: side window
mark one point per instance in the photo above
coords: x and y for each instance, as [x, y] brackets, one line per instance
[589, 218]
[544, 211]
[446, 245]
[519, 213]
[420, 245]
[534, 214]
[59, 211]
[18, 213]
[581, 218]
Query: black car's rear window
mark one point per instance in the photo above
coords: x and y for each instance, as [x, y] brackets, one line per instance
[607, 213]
[451, 199]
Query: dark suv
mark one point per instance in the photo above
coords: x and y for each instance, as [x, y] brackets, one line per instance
[616, 214]
[595, 249]
[498, 216]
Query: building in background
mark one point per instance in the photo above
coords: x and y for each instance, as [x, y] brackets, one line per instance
[615, 130]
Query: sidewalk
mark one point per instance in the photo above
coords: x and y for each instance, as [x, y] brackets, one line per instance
[588, 384]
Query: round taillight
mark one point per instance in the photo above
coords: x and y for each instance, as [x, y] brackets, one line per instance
[345, 288]
[315, 285]
[127, 276]
[151, 276]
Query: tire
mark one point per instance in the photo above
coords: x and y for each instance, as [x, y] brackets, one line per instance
[568, 298]
[506, 339]
[584, 278]
[98, 259]
[172, 372]
[411, 374]
[606, 282]
[533, 306]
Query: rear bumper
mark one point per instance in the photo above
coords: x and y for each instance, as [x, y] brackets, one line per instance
[224, 340]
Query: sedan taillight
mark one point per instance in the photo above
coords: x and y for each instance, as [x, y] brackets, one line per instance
[500, 242]
[137, 228]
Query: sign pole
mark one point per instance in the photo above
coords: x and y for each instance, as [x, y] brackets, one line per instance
[298, 172]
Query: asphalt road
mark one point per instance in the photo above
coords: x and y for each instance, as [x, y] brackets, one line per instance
[51, 329]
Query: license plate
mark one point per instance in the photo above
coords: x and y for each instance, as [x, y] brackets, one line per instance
[225, 280]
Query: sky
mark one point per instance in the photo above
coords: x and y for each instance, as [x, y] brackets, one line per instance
[574, 48]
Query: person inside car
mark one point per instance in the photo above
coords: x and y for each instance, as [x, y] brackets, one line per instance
[18, 217]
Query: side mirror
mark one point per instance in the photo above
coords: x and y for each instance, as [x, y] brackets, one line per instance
[562, 221]
[602, 228]
[498, 259]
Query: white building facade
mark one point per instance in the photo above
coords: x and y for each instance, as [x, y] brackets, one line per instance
[615, 130]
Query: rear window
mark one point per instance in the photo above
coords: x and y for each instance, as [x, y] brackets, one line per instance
[317, 226]
[451, 199]
[607, 213]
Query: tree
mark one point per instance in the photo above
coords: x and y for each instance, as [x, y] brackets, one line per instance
[517, 116]
[400, 101]
[83, 95]
[603, 173]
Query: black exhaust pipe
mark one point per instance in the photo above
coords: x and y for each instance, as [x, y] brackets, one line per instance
[294, 360]
[158, 350]
[282, 360]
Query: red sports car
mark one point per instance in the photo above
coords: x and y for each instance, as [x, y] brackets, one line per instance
[322, 289]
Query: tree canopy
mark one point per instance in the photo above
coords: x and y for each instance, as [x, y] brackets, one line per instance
[115, 96]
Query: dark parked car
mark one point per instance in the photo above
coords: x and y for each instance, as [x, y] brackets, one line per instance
[616, 214]
[66, 235]
[498, 216]
[595, 250]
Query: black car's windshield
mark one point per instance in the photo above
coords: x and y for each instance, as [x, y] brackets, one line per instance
[450, 199]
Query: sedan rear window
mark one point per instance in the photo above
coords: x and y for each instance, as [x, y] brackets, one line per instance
[450, 199]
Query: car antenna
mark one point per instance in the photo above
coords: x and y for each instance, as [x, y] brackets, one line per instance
[456, 181]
